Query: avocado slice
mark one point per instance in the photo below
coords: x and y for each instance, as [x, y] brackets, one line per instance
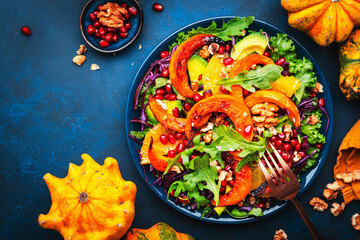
[196, 66]
[255, 42]
[150, 116]
[220, 210]
[172, 104]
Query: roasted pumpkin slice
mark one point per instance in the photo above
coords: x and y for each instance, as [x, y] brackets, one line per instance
[179, 59]
[234, 107]
[245, 63]
[278, 98]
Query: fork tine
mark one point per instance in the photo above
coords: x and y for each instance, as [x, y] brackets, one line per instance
[277, 167]
[267, 175]
[288, 171]
[277, 179]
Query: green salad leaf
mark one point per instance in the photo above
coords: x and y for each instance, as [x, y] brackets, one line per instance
[230, 28]
[160, 82]
[312, 131]
[140, 134]
[261, 78]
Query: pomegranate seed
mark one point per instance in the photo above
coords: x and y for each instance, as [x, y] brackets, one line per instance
[278, 142]
[286, 146]
[180, 147]
[223, 183]
[111, 30]
[132, 10]
[171, 138]
[222, 190]
[124, 35]
[115, 37]
[232, 182]
[187, 106]
[97, 33]
[93, 17]
[280, 61]
[248, 129]
[319, 146]
[294, 132]
[285, 156]
[127, 16]
[192, 157]
[167, 96]
[124, 5]
[321, 102]
[298, 147]
[226, 123]
[246, 92]
[172, 97]
[301, 154]
[260, 204]
[281, 135]
[165, 73]
[160, 91]
[196, 97]
[101, 31]
[98, 7]
[273, 138]
[163, 139]
[172, 193]
[164, 54]
[128, 26]
[227, 168]
[228, 61]
[186, 143]
[168, 88]
[312, 95]
[159, 97]
[178, 135]
[108, 37]
[176, 111]
[223, 115]
[90, 30]
[227, 48]
[293, 142]
[279, 151]
[223, 89]
[158, 7]
[96, 13]
[221, 49]
[97, 24]
[123, 29]
[103, 43]
[266, 54]
[171, 153]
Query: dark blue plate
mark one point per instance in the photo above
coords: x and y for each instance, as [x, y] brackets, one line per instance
[306, 178]
[136, 22]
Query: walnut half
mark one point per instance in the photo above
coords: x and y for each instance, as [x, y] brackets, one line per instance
[264, 114]
[280, 235]
[111, 15]
[319, 205]
[355, 221]
[349, 177]
[337, 209]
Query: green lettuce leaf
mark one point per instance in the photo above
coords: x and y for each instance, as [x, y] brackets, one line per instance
[140, 134]
[261, 78]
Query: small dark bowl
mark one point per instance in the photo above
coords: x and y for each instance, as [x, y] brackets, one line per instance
[136, 22]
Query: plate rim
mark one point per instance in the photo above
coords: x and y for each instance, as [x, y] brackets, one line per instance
[314, 171]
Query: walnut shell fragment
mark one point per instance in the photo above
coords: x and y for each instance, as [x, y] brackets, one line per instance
[79, 59]
[319, 204]
[280, 235]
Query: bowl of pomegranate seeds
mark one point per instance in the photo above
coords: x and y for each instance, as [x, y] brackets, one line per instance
[111, 26]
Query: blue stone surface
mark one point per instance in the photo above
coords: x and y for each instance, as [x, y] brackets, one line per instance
[52, 111]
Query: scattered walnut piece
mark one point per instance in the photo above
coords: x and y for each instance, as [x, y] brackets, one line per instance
[335, 186]
[175, 169]
[208, 137]
[319, 205]
[267, 115]
[214, 47]
[318, 88]
[204, 52]
[330, 194]
[111, 15]
[207, 127]
[252, 199]
[81, 50]
[219, 120]
[288, 132]
[349, 177]
[337, 209]
[79, 59]
[94, 67]
[312, 120]
[355, 221]
[280, 235]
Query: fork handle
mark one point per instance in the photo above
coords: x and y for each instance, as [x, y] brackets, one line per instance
[314, 233]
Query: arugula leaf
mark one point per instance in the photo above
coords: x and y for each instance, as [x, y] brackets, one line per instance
[261, 78]
[200, 200]
[257, 212]
[160, 82]
[140, 134]
[206, 211]
[281, 123]
[231, 28]
[236, 213]
[312, 131]
[311, 161]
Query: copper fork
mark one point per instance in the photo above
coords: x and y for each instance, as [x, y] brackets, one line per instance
[285, 185]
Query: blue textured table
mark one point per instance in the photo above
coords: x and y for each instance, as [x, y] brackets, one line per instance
[52, 111]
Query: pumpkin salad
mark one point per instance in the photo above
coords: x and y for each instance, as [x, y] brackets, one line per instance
[210, 105]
